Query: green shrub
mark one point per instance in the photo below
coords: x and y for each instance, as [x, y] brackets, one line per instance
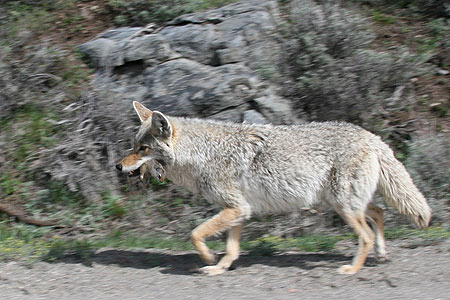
[113, 207]
[429, 164]
[58, 248]
[142, 12]
[265, 246]
[437, 8]
[434, 8]
[269, 245]
[336, 76]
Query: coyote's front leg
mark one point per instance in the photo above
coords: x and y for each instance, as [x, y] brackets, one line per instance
[228, 218]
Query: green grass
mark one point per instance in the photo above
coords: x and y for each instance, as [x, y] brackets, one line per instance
[383, 19]
[9, 184]
[59, 193]
[123, 240]
[22, 243]
[434, 233]
[58, 248]
[29, 243]
[75, 75]
[27, 17]
[30, 129]
[266, 246]
[113, 206]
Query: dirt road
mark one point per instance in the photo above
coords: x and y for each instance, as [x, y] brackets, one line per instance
[421, 272]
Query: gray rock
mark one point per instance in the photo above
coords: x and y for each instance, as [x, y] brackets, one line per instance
[241, 32]
[201, 65]
[119, 34]
[107, 49]
[254, 117]
[101, 53]
[186, 87]
[193, 41]
[442, 72]
[232, 114]
[275, 108]
[152, 48]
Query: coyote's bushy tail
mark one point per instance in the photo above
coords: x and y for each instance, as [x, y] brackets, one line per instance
[398, 189]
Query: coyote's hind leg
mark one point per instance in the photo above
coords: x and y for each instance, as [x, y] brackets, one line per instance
[375, 216]
[366, 240]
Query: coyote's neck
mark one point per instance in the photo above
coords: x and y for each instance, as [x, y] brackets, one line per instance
[189, 148]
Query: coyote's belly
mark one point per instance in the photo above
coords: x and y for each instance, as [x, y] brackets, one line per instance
[269, 195]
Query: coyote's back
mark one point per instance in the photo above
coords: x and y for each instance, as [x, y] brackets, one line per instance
[265, 169]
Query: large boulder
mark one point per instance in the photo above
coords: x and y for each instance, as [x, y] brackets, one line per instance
[209, 64]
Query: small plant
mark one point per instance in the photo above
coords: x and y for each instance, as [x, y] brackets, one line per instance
[316, 243]
[383, 18]
[58, 248]
[59, 193]
[120, 20]
[20, 250]
[265, 246]
[35, 131]
[418, 237]
[113, 208]
[9, 184]
[76, 74]
[119, 239]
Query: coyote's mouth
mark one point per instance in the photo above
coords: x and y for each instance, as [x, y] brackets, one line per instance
[135, 172]
[145, 172]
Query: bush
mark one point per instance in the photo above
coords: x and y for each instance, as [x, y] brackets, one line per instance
[336, 76]
[437, 8]
[434, 8]
[429, 164]
[440, 31]
[142, 12]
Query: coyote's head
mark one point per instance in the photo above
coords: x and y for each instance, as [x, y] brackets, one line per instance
[153, 141]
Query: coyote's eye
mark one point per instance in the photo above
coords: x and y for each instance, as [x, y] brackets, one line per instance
[143, 148]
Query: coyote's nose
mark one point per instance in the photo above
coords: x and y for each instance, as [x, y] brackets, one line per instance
[119, 167]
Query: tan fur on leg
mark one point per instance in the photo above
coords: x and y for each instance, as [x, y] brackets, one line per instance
[366, 240]
[233, 243]
[375, 216]
[227, 218]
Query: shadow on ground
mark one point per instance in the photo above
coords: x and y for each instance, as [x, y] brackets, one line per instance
[186, 263]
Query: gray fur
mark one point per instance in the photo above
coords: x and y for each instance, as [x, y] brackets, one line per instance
[267, 169]
[256, 169]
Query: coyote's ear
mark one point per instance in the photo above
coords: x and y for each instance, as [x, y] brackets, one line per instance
[143, 112]
[161, 126]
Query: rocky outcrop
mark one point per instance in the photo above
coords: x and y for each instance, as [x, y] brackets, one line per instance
[209, 64]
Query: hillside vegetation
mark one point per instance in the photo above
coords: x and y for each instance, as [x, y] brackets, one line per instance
[379, 64]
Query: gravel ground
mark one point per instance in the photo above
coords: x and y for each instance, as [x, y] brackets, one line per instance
[412, 272]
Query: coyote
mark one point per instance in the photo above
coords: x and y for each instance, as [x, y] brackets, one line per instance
[255, 169]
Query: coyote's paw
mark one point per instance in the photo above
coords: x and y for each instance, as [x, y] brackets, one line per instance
[381, 255]
[209, 259]
[212, 270]
[347, 270]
